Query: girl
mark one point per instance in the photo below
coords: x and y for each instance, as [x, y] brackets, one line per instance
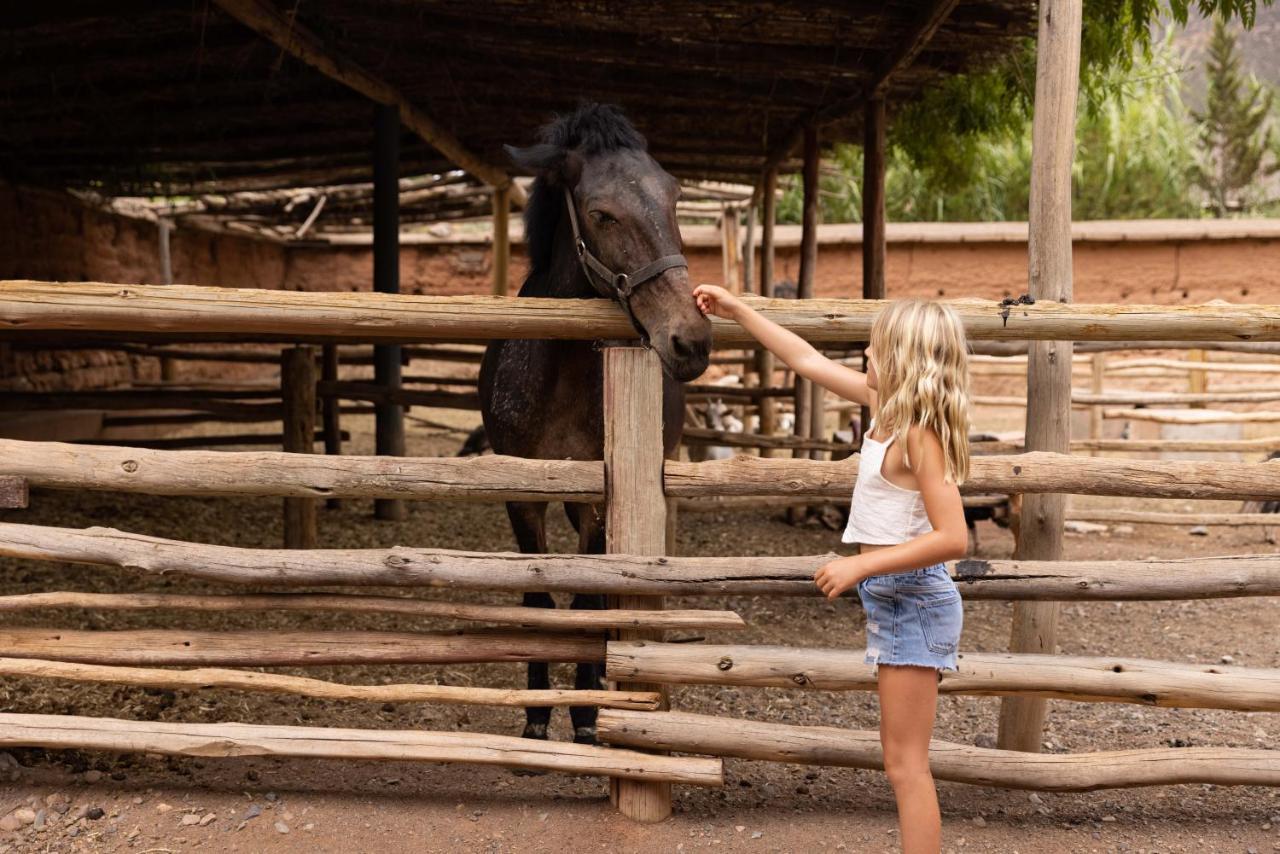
[906, 515]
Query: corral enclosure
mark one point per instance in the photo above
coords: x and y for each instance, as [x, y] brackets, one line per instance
[187, 566]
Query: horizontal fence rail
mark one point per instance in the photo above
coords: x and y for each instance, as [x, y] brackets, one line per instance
[494, 477]
[1080, 678]
[1245, 575]
[224, 740]
[960, 763]
[185, 312]
[305, 686]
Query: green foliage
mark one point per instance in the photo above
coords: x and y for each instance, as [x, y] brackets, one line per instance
[940, 132]
[1134, 152]
[1234, 129]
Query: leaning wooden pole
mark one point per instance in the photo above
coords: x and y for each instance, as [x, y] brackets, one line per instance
[1048, 362]
[389, 416]
[298, 387]
[635, 521]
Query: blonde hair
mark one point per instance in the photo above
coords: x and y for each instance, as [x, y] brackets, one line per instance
[922, 365]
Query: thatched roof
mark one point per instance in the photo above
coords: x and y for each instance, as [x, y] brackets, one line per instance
[143, 97]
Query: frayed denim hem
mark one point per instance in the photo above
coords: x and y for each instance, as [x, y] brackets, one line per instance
[875, 663]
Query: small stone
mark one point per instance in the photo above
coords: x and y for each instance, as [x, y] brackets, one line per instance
[26, 815]
[190, 819]
[132, 833]
[1034, 798]
[281, 827]
[979, 821]
[1122, 529]
[739, 827]
[163, 808]
[756, 834]
[253, 812]
[56, 798]
[91, 776]
[204, 822]
[1227, 659]
[308, 826]
[137, 800]
[271, 796]
[542, 816]
[1108, 818]
[286, 816]
[1199, 531]
[9, 823]
[74, 830]
[38, 824]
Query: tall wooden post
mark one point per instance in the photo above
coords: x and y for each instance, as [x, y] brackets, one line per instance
[749, 253]
[298, 389]
[808, 268]
[329, 409]
[501, 239]
[873, 232]
[1097, 382]
[635, 517]
[168, 367]
[1048, 362]
[388, 417]
[729, 248]
[764, 359]
[1197, 381]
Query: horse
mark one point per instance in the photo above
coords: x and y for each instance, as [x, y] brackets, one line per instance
[600, 223]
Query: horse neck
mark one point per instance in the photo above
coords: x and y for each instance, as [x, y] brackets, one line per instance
[564, 279]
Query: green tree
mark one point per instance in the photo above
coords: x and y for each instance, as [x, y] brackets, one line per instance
[1234, 131]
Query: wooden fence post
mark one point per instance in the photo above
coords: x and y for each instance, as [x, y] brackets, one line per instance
[1096, 385]
[298, 389]
[873, 233]
[1197, 381]
[329, 409]
[501, 239]
[764, 359]
[388, 417]
[635, 517]
[1048, 362]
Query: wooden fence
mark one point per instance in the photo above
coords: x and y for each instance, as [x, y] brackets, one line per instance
[637, 487]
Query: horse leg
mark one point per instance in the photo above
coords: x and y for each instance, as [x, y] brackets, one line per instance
[588, 520]
[529, 522]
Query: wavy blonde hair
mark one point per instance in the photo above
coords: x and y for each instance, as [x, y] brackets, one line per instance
[922, 365]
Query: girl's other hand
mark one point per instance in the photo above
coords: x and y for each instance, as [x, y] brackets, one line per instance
[839, 575]
[713, 299]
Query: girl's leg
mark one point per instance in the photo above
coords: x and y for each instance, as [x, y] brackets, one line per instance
[908, 701]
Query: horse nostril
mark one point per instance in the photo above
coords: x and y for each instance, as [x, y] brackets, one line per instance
[680, 347]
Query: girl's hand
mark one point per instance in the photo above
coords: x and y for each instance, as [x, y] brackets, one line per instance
[839, 575]
[713, 299]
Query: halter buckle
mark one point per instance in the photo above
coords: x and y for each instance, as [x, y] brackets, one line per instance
[622, 282]
[581, 246]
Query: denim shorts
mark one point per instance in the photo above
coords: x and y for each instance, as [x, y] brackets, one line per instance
[913, 617]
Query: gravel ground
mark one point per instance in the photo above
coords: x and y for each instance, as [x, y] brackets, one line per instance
[323, 805]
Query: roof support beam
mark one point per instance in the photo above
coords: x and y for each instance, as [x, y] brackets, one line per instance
[301, 43]
[901, 57]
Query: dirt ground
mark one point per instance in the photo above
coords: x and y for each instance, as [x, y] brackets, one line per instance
[267, 805]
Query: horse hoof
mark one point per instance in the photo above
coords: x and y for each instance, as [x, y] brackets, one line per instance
[584, 735]
[534, 731]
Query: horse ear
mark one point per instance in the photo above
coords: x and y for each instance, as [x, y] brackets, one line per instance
[550, 161]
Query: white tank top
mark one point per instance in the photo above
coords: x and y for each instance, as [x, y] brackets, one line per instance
[882, 513]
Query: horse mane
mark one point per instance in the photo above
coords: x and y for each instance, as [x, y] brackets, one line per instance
[591, 129]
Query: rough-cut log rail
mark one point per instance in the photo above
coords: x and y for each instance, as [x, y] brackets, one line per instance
[490, 477]
[509, 615]
[959, 763]
[1037, 472]
[62, 732]
[499, 478]
[1247, 575]
[293, 648]
[1085, 679]
[179, 312]
[1074, 580]
[304, 686]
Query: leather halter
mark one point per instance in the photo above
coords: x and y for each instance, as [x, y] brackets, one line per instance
[617, 286]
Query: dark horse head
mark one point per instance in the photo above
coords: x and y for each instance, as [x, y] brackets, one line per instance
[625, 208]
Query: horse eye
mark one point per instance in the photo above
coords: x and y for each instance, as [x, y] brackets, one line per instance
[602, 218]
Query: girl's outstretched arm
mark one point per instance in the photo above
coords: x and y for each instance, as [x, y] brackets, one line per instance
[798, 354]
[948, 540]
